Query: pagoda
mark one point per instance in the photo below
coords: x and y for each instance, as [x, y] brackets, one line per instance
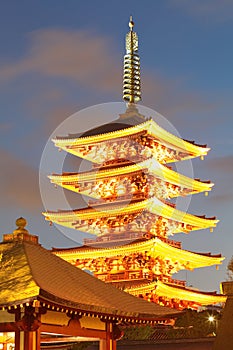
[131, 210]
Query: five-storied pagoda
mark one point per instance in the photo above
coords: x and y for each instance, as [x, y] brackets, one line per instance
[130, 212]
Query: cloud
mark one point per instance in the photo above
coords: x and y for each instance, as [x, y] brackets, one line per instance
[216, 10]
[222, 169]
[75, 55]
[222, 164]
[51, 107]
[56, 116]
[171, 96]
[92, 62]
[19, 184]
[227, 197]
[5, 127]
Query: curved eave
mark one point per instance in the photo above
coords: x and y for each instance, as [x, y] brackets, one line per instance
[152, 129]
[24, 299]
[104, 312]
[155, 246]
[149, 165]
[166, 136]
[153, 205]
[51, 301]
[172, 292]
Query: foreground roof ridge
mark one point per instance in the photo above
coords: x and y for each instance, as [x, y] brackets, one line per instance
[37, 274]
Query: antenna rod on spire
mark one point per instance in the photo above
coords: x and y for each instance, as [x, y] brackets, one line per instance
[131, 80]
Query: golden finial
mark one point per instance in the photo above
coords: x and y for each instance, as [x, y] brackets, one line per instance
[131, 23]
[20, 234]
[131, 82]
[21, 223]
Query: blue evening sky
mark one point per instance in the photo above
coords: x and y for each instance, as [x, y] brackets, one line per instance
[59, 56]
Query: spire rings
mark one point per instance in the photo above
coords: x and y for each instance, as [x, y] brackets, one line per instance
[131, 80]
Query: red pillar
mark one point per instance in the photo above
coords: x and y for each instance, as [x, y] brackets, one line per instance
[31, 340]
[108, 343]
[27, 336]
[108, 336]
[19, 339]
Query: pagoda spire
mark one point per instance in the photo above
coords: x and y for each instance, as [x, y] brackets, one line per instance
[131, 80]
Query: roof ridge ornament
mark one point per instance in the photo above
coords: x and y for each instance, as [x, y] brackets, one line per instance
[131, 80]
[20, 234]
[21, 223]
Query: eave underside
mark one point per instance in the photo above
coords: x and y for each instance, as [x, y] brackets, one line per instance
[106, 216]
[154, 248]
[152, 129]
[75, 182]
[164, 290]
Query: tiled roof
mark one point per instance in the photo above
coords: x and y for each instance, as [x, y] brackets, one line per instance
[112, 126]
[28, 272]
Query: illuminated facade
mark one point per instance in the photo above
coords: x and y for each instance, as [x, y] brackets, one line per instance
[131, 211]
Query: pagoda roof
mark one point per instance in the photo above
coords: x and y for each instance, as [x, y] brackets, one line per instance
[154, 247]
[29, 272]
[153, 205]
[126, 120]
[151, 165]
[177, 292]
[116, 130]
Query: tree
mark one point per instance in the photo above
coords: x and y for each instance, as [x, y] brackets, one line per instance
[138, 332]
[194, 324]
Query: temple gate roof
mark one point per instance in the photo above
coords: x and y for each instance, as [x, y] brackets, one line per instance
[29, 272]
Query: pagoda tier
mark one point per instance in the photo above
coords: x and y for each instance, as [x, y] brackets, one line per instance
[144, 268]
[141, 180]
[156, 257]
[148, 216]
[178, 297]
[133, 143]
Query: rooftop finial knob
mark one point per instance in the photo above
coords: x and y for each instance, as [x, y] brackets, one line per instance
[131, 23]
[21, 223]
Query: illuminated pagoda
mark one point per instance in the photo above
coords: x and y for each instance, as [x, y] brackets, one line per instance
[131, 211]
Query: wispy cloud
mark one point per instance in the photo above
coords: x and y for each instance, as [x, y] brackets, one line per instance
[19, 184]
[222, 164]
[223, 198]
[214, 10]
[91, 61]
[222, 169]
[171, 96]
[5, 126]
[74, 55]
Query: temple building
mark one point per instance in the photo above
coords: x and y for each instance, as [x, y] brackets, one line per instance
[46, 303]
[131, 208]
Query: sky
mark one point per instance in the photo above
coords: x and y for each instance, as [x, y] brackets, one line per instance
[58, 57]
